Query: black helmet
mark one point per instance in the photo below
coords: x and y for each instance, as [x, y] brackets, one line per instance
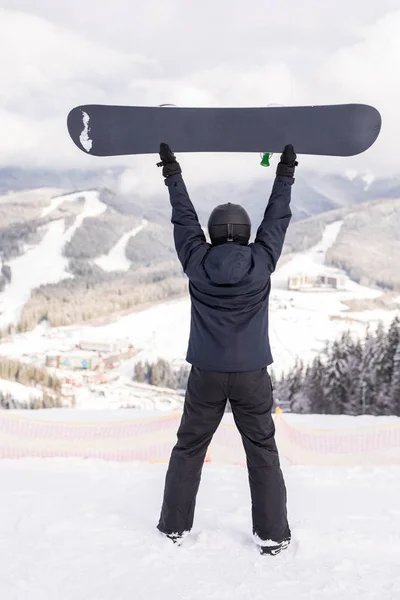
[229, 223]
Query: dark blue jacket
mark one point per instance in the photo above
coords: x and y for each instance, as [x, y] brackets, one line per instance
[229, 284]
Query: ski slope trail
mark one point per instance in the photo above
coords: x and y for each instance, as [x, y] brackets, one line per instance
[312, 260]
[116, 259]
[44, 263]
[86, 530]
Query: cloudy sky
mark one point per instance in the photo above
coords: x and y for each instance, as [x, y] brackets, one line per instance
[58, 54]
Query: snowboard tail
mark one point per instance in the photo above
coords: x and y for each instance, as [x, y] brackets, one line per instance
[331, 130]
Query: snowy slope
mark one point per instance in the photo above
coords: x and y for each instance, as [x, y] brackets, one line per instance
[86, 530]
[116, 259]
[300, 325]
[54, 204]
[98, 415]
[20, 392]
[311, 261]
[37, 196]
[300, 322]
[44, 263]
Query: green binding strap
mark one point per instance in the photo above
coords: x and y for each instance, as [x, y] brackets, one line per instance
[265, 159]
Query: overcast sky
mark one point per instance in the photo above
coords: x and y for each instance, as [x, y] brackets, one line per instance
[58, 54]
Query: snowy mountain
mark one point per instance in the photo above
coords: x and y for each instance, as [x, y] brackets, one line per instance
[310, 304]
[57, 246]
[128, 245]
[368, 245]
[98, 265]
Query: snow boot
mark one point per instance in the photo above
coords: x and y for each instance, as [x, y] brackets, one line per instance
[273, 548]
[177, 538]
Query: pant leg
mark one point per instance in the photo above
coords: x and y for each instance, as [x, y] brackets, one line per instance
[204, 407]
[250, 395]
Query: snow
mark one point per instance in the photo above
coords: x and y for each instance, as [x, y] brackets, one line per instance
[86, 530]
[57, 201]
[310, 262]
[22, 393]
[340, 421]
[92, 416]
[33, 347]
[124, 393]
[162, 330]
[44, 263]
[116, 259]
[37, 196]
[329, 422]
[300, 322]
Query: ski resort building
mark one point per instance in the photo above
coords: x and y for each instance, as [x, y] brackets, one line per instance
[89, 356]
[304, 282]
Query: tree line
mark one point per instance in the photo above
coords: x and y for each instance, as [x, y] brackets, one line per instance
[162, 374]
[350, 377]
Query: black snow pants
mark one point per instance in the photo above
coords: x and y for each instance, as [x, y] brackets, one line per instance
[250, 396]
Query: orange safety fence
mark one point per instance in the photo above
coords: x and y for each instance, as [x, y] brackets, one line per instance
[151, 440]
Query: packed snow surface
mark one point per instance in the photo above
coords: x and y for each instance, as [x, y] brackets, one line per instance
[85, 530]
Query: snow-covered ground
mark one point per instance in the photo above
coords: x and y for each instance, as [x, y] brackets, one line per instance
[314, 422]
[55, 203]
[44, 263]
[310, 262]
[86, 530]
[300, 322]
[37, 197]
[125, 393]
[23, 393]
[116, 259]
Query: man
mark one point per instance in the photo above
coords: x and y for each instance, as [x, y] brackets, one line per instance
[229, 284]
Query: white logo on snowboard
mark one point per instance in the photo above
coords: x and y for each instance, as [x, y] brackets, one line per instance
[84, 137]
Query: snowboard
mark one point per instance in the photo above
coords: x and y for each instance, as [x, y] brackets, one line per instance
[331, 130]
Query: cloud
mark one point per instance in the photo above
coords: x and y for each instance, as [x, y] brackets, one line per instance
[45, 69]
[369, 72]
[193, 54]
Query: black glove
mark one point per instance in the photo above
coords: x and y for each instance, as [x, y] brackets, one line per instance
[168, 161]
[288, 162]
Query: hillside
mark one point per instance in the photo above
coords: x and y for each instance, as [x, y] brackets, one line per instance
[301, 323]
[71, 249]
[367, 247]
[123, 253]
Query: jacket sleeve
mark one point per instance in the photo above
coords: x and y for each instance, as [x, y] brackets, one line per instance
[189, 238]
[271, 233]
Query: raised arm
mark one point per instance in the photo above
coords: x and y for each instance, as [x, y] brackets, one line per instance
[190, 241]
[271, 233]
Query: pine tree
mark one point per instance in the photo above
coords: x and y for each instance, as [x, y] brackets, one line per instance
[314, 387]
[395, 385]
[295, 382]
[385, 351]
[368, 385]
[351, 357]
[140, 374]
[335, 379]
[354, 404]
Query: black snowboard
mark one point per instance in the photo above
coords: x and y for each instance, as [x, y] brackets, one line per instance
[336, 130]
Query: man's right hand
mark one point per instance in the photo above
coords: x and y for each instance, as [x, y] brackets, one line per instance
[168, 161]
[288, 162]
